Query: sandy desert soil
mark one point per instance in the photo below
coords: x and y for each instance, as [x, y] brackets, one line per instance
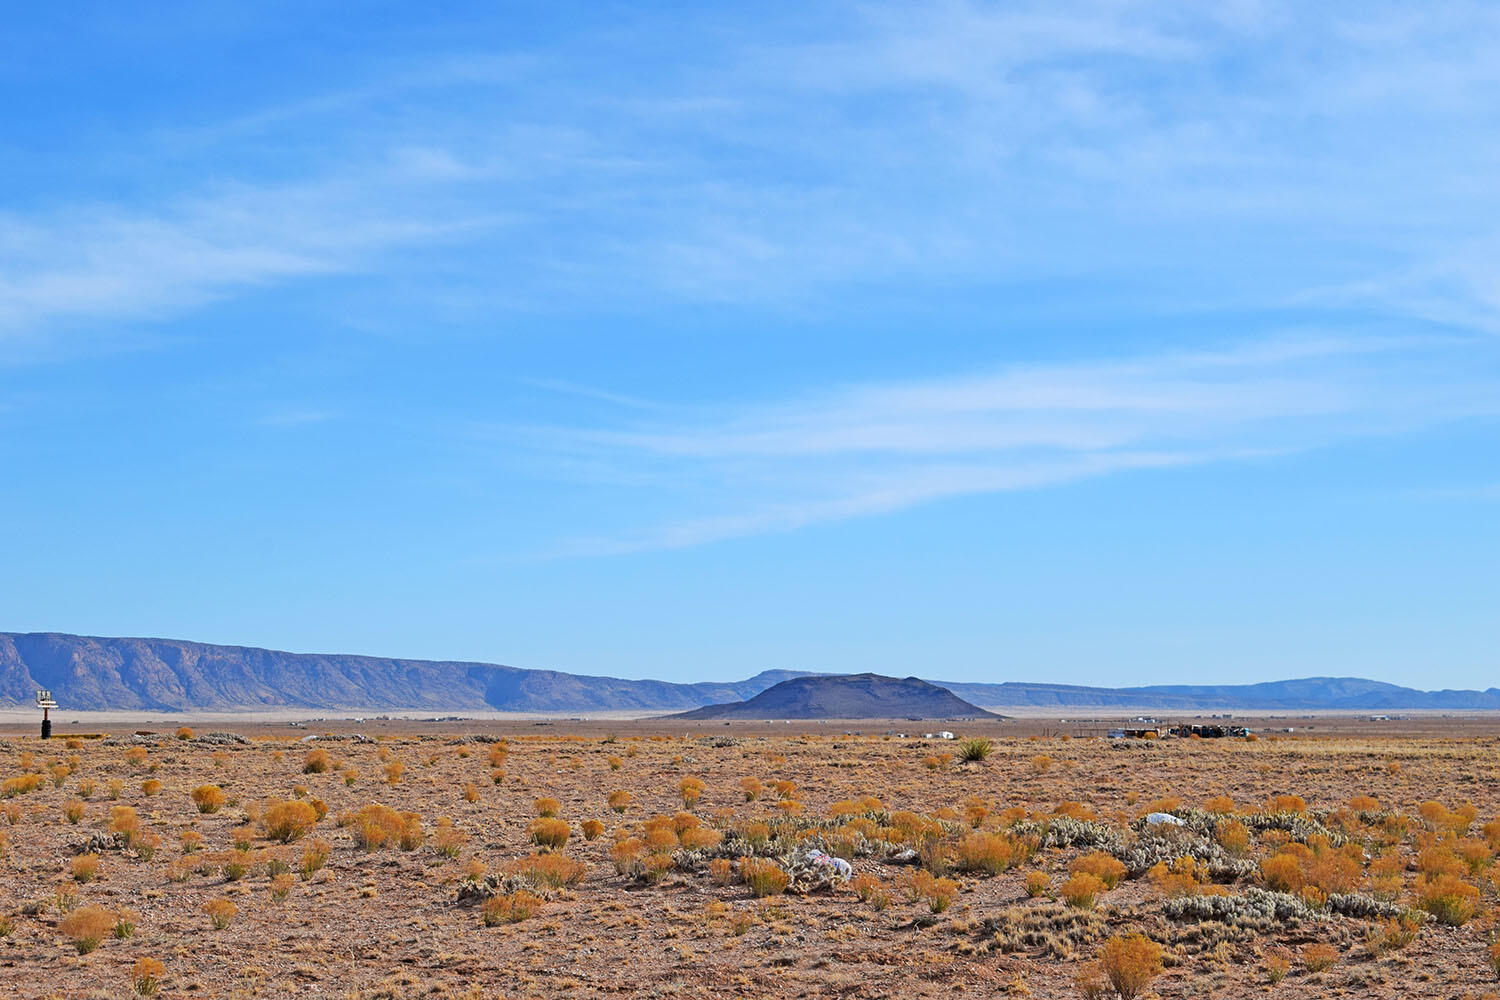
[660, 910]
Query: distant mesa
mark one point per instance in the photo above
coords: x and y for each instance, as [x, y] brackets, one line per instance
[856, 696]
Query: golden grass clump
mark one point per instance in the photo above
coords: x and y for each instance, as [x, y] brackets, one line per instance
[1319, 957]
[550, 832]
[1082, 890]
[376, 825]
[84, 868]
[592, 828]
[289, 821]
[221, 912]
[1038, 883]
[989, 852]
[752, 788]
[316, 762]
[73, 810]
[1130, 962]
[314, 856]
[763, 877]
[86, 927]
[145, 976]
[184, 733]
[556, 870]
[510, 908]
[21, 784]
[547, 807]
[1105, 867]
[208, 798]
[1449, 900]
[691, 790]
[619, 800]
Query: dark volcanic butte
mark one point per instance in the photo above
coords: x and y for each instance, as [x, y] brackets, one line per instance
[856, 696]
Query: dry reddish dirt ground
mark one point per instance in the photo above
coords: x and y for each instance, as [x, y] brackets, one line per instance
[387, 922]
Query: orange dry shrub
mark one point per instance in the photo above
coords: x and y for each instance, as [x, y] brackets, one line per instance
[84, 868]
[619, 800]
[471, 792]
[763, 877]
[376, 825]
[393, 772]
[184, 733]
[556, 870]
[1182, 877]
[1364, 803]
[660, 834]
[752, 788]
[550, 832]
[1392, 933]
[314, 856]
[547, 807]
[208, 798]
[289, 821]
[221, 912]
[316, 762]
[150, 787]
[1319, 957]
[784, 789]
[1449, 900]
[1233, 836]
[87, 926]
[975, 813]
[721, 870]
[1105, 867]
[1219, 804]
[59, 774]
[72, 810]
[1038, 883]
[1130, 962]
[1282, 872]
[1082, 890]
[615, 763]
[938, 893]
[628, 855]
[691, 790]
[989, 852]
[1286, 804]
[1041, 763]
[20, 785]
[592, 828]
[281, 886]
[701, 838]
[510, 908]
[124, 821]
[498, 753]
[135, 756]
[145, 976]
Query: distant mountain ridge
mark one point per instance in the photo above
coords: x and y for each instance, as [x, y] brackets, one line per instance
[846, 696]
[92, 672]
[167, 675]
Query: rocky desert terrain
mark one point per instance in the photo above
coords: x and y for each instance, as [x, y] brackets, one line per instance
[654, 859]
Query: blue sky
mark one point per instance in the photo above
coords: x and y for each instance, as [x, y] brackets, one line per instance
[1091, 342]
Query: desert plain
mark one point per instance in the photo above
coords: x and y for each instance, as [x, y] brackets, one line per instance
[570, 858]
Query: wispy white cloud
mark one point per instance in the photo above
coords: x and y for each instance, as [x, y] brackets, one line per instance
[873, 449]
[107, 263]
